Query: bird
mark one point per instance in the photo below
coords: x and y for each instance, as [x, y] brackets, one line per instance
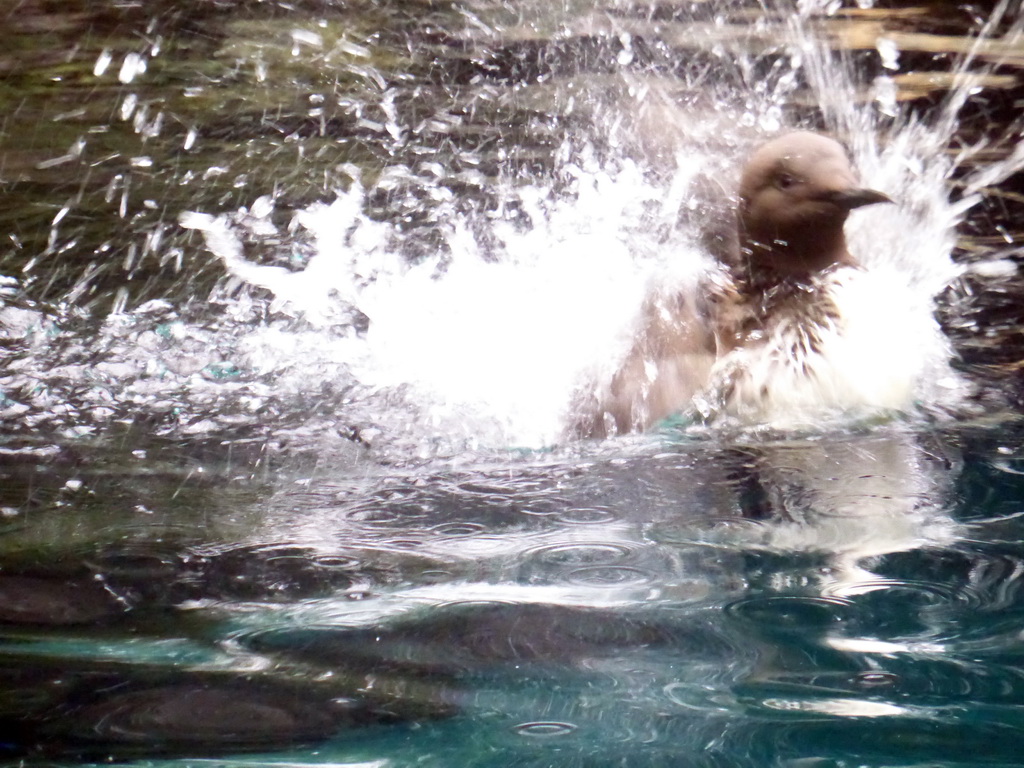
[790, 327]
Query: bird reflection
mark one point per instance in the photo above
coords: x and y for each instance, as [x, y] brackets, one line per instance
[849, 500]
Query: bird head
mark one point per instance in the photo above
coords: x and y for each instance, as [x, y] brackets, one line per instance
[796, 193]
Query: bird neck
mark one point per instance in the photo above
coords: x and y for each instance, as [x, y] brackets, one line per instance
[772, 257]
[770, 279]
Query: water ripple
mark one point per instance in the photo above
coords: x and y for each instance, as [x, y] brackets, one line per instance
[458, 530]
[700, 698]
[203, 715]
[585, 515]
[609, 575]
[909, 593]
[584, 553]
[791, 613]
[544, 730]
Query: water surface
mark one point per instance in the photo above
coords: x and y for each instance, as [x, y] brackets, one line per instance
[294, 297]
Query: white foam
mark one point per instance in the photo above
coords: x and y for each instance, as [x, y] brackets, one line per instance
[490, 340]
[492, 334]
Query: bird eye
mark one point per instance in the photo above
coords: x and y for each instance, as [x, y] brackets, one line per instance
[785, 181]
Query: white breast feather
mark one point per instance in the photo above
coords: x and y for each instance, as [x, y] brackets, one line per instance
[874, 357]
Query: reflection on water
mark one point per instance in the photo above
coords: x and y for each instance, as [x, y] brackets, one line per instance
[542, 610]
[273, 509]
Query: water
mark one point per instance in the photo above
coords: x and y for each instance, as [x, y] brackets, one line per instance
[296, 299]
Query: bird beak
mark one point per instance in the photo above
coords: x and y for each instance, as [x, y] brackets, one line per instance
[855, 198]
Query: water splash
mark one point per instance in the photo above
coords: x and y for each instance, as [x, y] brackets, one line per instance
[476, 327]
[495, 334]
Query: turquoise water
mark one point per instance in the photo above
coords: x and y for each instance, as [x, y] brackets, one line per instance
[678, 604]
[292, 295]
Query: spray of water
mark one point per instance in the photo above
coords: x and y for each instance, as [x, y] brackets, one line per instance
[490, 339]
[483, 335]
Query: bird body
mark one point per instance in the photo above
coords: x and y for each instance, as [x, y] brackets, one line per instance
[792, 328]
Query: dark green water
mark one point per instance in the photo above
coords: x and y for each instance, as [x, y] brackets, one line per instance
[224, 544]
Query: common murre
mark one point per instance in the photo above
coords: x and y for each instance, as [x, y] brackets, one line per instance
[792, 329]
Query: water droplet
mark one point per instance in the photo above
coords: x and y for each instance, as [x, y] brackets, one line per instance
[133, 66]
[889, 53]
[102, 62]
